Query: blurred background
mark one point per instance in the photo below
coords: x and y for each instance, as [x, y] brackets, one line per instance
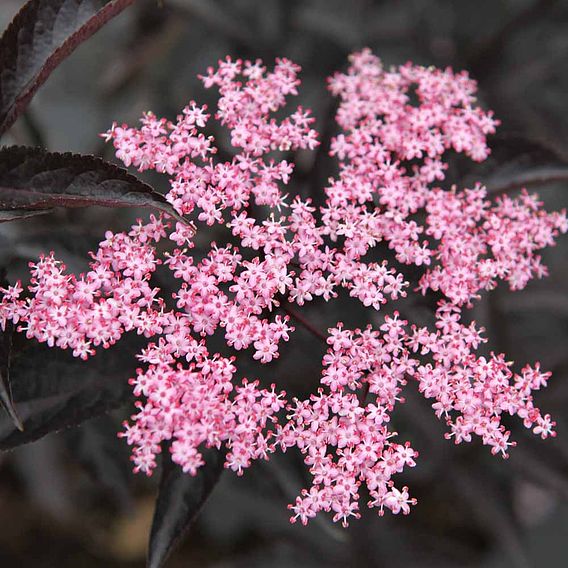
[69, 500]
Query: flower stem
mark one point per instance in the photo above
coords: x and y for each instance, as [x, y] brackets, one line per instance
[304, 323]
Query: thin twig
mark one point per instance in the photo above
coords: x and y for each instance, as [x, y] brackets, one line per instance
[551, 176]
[304, 323]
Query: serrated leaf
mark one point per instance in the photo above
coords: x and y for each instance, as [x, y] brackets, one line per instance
[180, 498]
[38, 39]
[33, 179]
[54, 390]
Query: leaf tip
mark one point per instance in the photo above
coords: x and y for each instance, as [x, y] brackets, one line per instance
[14, 415]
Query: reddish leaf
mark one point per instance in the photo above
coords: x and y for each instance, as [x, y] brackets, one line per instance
[39, 38]
[32, 179]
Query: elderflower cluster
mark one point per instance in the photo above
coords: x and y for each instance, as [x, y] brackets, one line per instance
[398, 128]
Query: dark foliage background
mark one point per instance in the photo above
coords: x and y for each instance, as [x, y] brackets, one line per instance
[70, 499]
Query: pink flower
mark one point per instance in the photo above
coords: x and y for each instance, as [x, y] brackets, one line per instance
[392, 149]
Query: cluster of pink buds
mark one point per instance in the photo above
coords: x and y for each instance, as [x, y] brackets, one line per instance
[398, 128]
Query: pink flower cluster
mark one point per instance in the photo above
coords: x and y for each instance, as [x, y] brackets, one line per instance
[398, 125]
[398, 128]
[345, 437]
[471, 391]
[343, 429]
[96, 308]
[193, 405]
[183, 152]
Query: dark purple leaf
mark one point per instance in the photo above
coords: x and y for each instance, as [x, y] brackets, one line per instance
[54, 390]
[180, 498]
[5, 354]
[16, 214]
[39, 38]
[34, 179]
[5, 395]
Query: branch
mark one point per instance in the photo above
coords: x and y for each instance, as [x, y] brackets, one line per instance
[530, 180]
[304, 323]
